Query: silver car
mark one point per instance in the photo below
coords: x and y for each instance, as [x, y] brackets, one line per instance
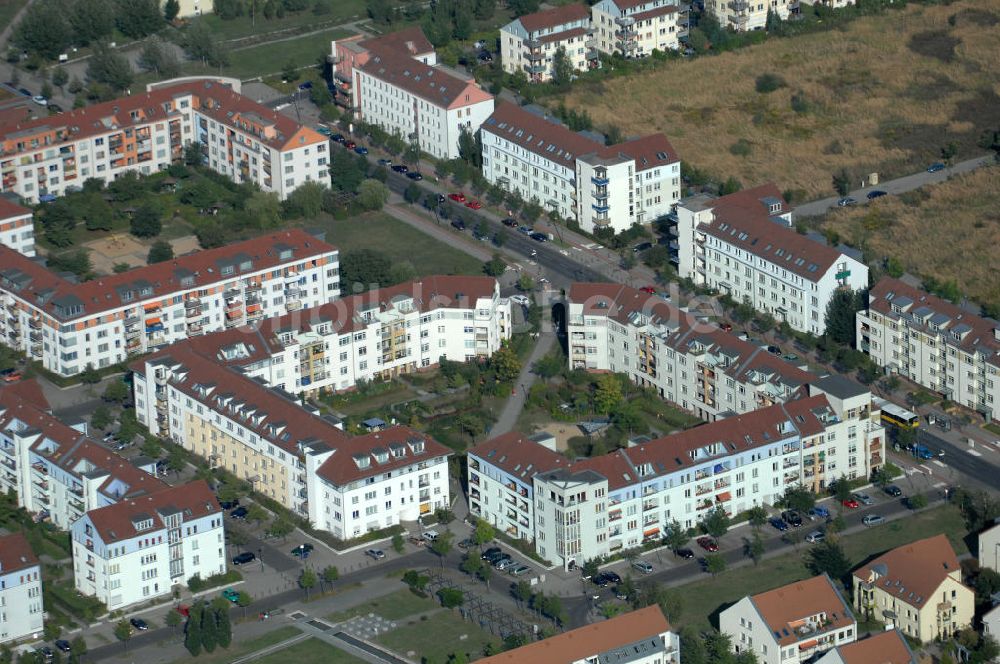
[873, 520]
[815, 536]
[864, 498]
[520, 570]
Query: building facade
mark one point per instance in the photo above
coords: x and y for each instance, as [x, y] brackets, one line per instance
[352, 52]
[17, 230]
[916, 588]
[747, 15]
[637, 637]
[636, 28]
[372, 336]
[68, 326]
[140, 549]
[887, 647]
[529, 44]
[742, 245]
[790, 624]
[989, 547]
[933, 343]
[576, 176]
[21, 612]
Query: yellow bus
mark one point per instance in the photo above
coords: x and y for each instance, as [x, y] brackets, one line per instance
[899, 417]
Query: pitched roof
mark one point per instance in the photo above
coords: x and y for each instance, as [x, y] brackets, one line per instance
[9, 208]
[518, 455]
[411, 41]
[655, 11]
[41, 287]
[648, 152]
[118, 522]
[357, 457]
[431, 83]
[888, 647]
[645, 625]
[743, 220]
[912, 573]
[555, 17]
[15, 553]
[786, 609]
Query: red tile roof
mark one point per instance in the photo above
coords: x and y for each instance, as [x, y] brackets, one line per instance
[648, 152]
[591, 640]
[555, 17]
[43, 287]
[912, 573]
[15, 554]
[785, 609]
[626, 5]
[396, 443]
[563, 36]
[438, 86]
[10, 209]
[519, 456]
[115, 523]
[656, 11]
[887, 647]
[411, 41]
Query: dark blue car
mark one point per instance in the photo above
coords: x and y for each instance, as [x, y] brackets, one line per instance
[361, 149]
[778, 524]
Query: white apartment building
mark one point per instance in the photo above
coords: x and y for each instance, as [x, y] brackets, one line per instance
[742, 245]
[67, 325]
[351, 52]
[746, 15]
[372, 336]
[636, 28]
[529, 43]
[831, 4]
[17, 230]
[57, 472]
[594, 507]
[888, 647]
[691, 363]
[145, 133]
[427, 105]
[21, 612]
[139, 549]
[192, 7]
[576, 176]
[933, 343]
[289, 453]
[790, 624]
[637, 637]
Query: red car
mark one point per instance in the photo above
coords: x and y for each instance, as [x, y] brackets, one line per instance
[13, 377]
[648, 289]
[183, 609]
[726, 327]
[350, 145]
[851, 503]
[708, 544]
[474, 204]
[459, 197]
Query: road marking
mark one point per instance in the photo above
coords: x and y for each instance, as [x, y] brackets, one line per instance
[929, 471]
[974, 452]
[938, 485]
[940, 463]
[577, 248]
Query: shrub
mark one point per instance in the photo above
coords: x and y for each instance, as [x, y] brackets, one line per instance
[741, 148]
[767, 83]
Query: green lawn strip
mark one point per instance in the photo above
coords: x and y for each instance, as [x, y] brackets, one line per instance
[995, 428]
[312, 651]
[703, 599]
[267, 59]
[240, 647]
[399, 241]
[272, 28]
[437, 637]
[395, 606]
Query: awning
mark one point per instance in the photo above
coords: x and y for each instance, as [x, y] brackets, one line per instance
[649, 532]
[252, 308]
[724, 496]
[806, 645]
[234, 314]
[152, 321]
[154, 328]
[151, 307]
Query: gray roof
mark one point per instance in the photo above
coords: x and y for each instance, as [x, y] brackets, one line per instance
[840, 386]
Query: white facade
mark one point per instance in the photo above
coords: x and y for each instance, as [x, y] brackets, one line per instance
[67, 326]
[140, 549]
[619, 191]
[192, 7]
[21, 612]
[742, 245]
[934, 343]
[989, 548]
[529, 43]
[746, 15]
[635, 28]
[17, 229]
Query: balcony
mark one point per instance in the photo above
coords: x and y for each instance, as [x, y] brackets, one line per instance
[600, 181]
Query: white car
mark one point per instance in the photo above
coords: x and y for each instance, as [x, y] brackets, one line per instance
[430, 535]
[523, 300]
[40, 100]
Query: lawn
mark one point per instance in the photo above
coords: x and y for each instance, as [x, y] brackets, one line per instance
[8, 8]
[883, 94]
[312, 651]
[240, 648]
[703, 599]
[960, 214]
[437, 637]
[399, 242]
[395, 606]
[268, 59]
[243, 27]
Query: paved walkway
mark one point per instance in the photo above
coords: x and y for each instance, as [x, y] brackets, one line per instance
[515, 403]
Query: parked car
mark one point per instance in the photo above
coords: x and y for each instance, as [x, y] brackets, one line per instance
[725, 327]
[474, 204]
[893, 490]
[417, 541]
[873, 520]
[686, 554]
[846, 201]
[415, 176]
[877, 193]
[467, 543]
[231, 594]
[815, 536]
[239, 513]
[850, 503]
[306, 86]
[485, 56]
[935, 167]
[642, 566]
[62, 645]
[300, 552]
[519, 570]
[401, 168]
[244, 558]
[790, 357]
[642, 246]
[139, 624]
[362, 150]
[54, 109]
[458, 224]
[650, 290]
[350, 145]
[338, 138]
[523, 300]
[778, 524]
[375, 554]
[525, 230]
[509, 221]
[430, 535]
[603, 579]
[503, 562]
[774, 350]
[490, 552]
[40, 100]
[792, 518]
[13, 377]
[708, 543]
[818, 512]
[458, 197]
[864, 498]
[324, 130]
[385, 162]
[224, 504]
[538, 237]
[45, 653]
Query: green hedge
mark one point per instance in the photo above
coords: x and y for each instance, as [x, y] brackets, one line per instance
[197, 584]
[65, 596]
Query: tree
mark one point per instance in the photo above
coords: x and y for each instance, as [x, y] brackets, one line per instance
[138, 18]
[243, 600]
[160, 251]
[77, 649]
[282, 528]
[224, 629]
[798, 498]
[949, 152]
[470, 148]
[522, 592]
[176, 461]
[753, 548]
[484, 532]
[173, 619]
[716, 522]
[264, 209]
[170, 9]
[715, 563]
[256, 513]
[442, 546]
[525, 283]
[152, 448]
[59, 77]
[58, 220]
[730, 186]
[590, 569]
[532, 210]
[840, 314]
[146, 222]
[115, 392]
[44, 29]
[307, 580]
[347, 171]
[841, 488]
[209, 629]
[123, 632]
[192, 631]
[522, 7]
[917, 501]
[306, 201]
[100, 418]
[412, 193]
[842, 182]
[157, 57]
[200, 43]
[506, 364]
[330, 574]
[372, 194]
[363, 269]
[828, 557]
[109, 67]
[675, 535]
[669, 601]
[398, 543]
[607, 393]
[562, 69]
[451, 597]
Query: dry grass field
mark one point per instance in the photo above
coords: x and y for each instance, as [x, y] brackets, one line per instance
[884, 93]
[950, 231]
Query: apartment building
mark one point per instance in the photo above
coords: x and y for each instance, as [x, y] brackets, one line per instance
[21, 612]
[887, 647]
[56, 471]
[141, 548]
[590, 508]
[576, 176]
[989, 547]
[637, 637]
[691, 363]
[916, 588]
[747, 15]
[147, 132]
[793, 623]
[934, 343]
[287, 452]
[372, 336]
[529, 43]
[743, 245]
[352, 52]
[636, 28]
[17, 230]
[192, 7]
[68, 325]
[427, 105]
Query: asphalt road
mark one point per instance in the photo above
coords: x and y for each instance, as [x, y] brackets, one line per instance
[981, 468]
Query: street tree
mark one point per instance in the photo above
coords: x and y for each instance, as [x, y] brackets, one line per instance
[522, 592]
[590, 569]
[828, 557]
[173, 619]
[442, 546]
[243, 601]
[109, 67]
[715, 563]
[841, 488]
[484, 532]
[192, 631]
[282, 528]
[716, 522]
[753, 548]
[675, 535]
[209, 628]
[307, 580]
[506, 364]
[757, 517]
[159, 252]
[799, 498]
[123, 632]
[115, 392]
[224, 628]
[330, 574]
[495, 266]
[372, 194]
[842, 182]
[170, 9]
[77, 649]
[398, 543]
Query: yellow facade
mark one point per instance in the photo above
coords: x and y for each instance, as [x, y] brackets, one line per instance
[949, 610]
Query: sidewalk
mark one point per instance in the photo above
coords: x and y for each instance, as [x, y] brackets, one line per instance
[515, 403]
